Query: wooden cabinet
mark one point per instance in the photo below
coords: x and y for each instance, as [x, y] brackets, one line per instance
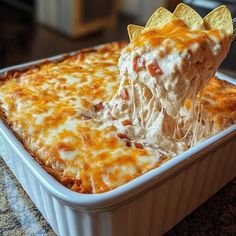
[76, 17]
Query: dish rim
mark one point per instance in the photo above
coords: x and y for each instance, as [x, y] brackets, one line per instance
[127, 191]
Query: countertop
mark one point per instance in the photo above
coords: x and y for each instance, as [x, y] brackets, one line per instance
[21, 40]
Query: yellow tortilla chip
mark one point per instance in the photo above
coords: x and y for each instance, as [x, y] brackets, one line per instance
[219, 18]
[189, 16]
[159, 18]
[134, 31]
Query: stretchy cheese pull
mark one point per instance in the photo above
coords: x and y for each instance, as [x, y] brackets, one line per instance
[169, 60]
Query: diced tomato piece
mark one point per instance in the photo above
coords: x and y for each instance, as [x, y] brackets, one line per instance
[138, 64]
[154, 69]
[98, 107]
[126, 122]
[138, 145]
[124, 94]
[128, 143]
[122, 136]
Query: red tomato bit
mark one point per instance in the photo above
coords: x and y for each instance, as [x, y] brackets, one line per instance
[138, 64]
[122, 136]
[124, 94]
[138, 145]
[98, 107]
[154, 69]
[128, 143]
[126, 122]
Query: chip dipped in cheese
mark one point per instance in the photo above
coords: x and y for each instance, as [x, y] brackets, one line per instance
[164, 65]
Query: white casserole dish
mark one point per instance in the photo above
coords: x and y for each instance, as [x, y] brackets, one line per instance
[148, 205]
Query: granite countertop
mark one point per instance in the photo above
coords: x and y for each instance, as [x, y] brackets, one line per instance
[19, 215]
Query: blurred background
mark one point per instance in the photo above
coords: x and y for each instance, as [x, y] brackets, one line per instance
[35, 29]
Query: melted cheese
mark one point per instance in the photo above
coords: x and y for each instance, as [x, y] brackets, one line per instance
[159, 70]
[51, 108]
[218, 106]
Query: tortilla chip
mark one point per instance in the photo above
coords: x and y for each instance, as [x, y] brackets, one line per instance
[159, 18]
[189, 16]
[134, 31]
[219, 18]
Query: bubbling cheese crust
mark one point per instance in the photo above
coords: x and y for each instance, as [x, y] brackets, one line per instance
[55, 110]
[52, 108]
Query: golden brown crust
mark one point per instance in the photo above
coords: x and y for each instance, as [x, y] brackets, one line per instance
[15, 73]
[72, 183]
[75, 184]
[81, 183]
[219, 99]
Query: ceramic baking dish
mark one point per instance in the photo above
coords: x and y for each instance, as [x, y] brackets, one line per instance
[148, 205]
